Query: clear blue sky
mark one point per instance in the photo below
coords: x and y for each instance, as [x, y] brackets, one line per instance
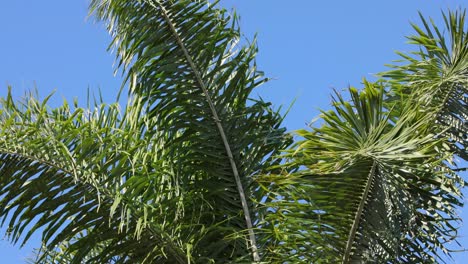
[309, 47]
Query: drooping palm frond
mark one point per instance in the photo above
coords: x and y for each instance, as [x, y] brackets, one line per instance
[183, 60]
[369, 189]
[66, 174]
[62, 254]
[437, 75]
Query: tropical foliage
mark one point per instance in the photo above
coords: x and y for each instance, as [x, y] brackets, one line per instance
[195, 170]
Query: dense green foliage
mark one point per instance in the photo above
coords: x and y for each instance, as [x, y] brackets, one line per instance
[194, 170]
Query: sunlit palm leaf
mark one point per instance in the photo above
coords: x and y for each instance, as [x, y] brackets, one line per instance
[372, 190]
[185, 173]
[437, 75]
[64, 173]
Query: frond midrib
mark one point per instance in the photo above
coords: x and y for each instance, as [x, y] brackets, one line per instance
[219, 126]
[358, 215]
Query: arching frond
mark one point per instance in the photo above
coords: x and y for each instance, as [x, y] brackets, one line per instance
[66, 173]
[189, 172]
[437, 75]
[184, 61]
[369, 189]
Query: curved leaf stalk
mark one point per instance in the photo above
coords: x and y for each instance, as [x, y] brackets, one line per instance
[357, 217]
[201, 83]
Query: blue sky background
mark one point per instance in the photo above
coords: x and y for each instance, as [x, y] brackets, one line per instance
[308, 47]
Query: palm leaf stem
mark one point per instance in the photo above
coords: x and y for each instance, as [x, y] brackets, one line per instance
[357, 217]
[203, 86]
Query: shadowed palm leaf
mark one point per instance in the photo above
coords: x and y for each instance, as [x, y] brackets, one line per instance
[183, 60]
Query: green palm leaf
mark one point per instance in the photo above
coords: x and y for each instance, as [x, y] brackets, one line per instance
[65, 173]
[369, 190]
[437, 75]
[183, 60]
[189, 172]
[213, 176]
[171, 179]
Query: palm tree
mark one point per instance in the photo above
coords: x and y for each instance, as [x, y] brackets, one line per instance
[192, 169]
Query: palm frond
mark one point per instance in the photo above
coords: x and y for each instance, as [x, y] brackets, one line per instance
[184, 61]
[189, 172]
[66, 173]
[437, 75]
[368, 189]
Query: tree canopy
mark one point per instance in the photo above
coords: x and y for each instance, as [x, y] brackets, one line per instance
[194, 169]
